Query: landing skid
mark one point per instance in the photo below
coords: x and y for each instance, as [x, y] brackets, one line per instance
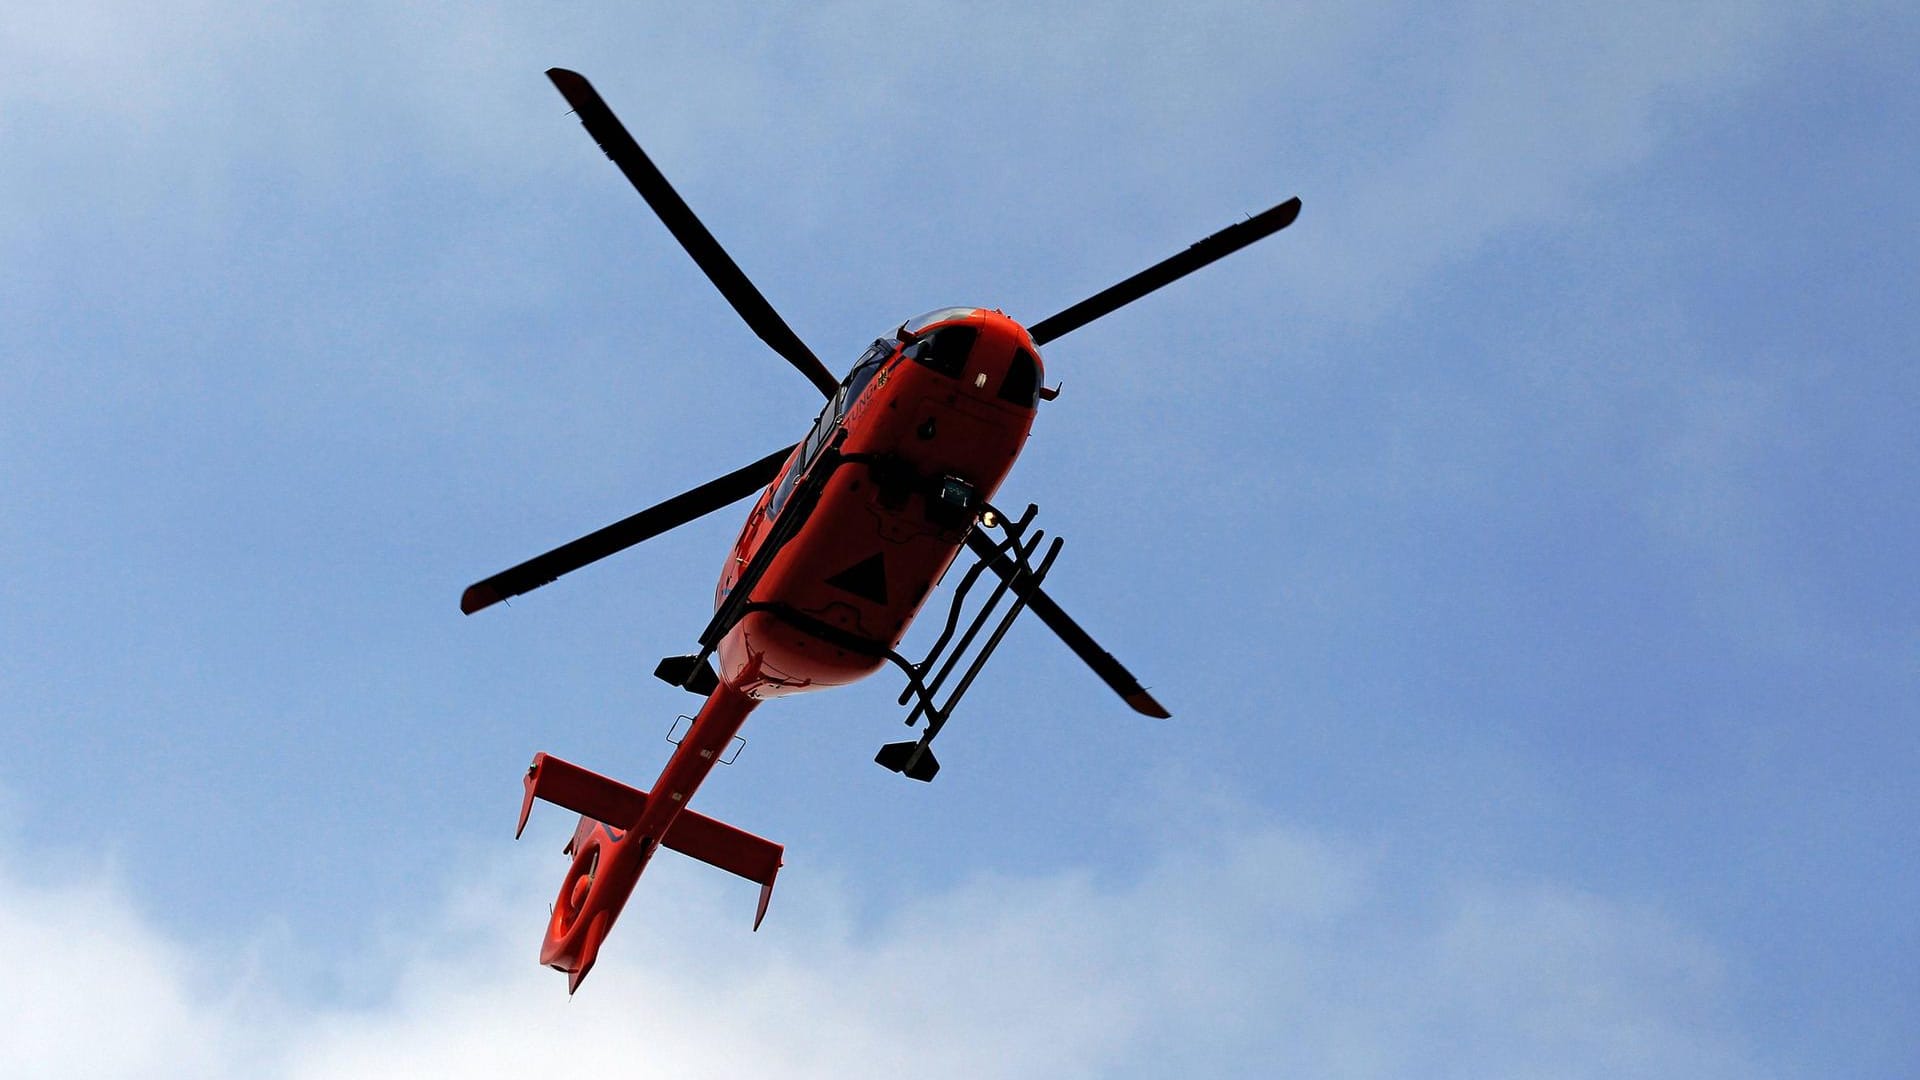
[915, 759]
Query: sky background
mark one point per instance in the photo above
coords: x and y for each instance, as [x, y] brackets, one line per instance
[1522, 540]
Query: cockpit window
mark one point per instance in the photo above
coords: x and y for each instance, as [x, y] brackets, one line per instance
[945, 350]
[1022, 384]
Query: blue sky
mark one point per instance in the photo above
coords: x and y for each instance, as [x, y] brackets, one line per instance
[1521, 541]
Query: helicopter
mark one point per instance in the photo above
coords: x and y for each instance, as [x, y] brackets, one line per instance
[854, 526]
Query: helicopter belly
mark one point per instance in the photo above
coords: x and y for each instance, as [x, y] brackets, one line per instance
[894, 507]
[840, 594]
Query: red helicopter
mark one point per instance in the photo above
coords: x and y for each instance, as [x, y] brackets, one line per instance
[854, 526]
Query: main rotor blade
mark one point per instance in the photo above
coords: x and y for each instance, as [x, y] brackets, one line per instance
[1058, 621]
[720, 268]
[624, 533]
[1165, 272]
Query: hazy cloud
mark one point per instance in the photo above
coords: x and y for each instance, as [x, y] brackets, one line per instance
[1265, 951]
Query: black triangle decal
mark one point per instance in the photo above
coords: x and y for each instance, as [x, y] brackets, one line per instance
[866, 579]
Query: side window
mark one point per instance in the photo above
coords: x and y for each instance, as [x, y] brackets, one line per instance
[815, 439]
[864, 371]
[870, 363]
[824, 426]
[786, 488]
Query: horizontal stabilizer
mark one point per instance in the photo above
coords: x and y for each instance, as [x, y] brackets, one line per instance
[734, 850]
[588, 794]
[712, 842]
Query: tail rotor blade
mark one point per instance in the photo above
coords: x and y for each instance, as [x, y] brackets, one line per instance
[1165, 272]
[624, 533]
[720, 268]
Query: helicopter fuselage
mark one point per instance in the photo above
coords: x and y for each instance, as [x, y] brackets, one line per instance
[915, 441]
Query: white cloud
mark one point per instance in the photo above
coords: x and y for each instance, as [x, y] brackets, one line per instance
[1266, 951]
[77, 954]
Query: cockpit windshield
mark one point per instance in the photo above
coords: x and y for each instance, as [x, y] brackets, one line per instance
[921, 322]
